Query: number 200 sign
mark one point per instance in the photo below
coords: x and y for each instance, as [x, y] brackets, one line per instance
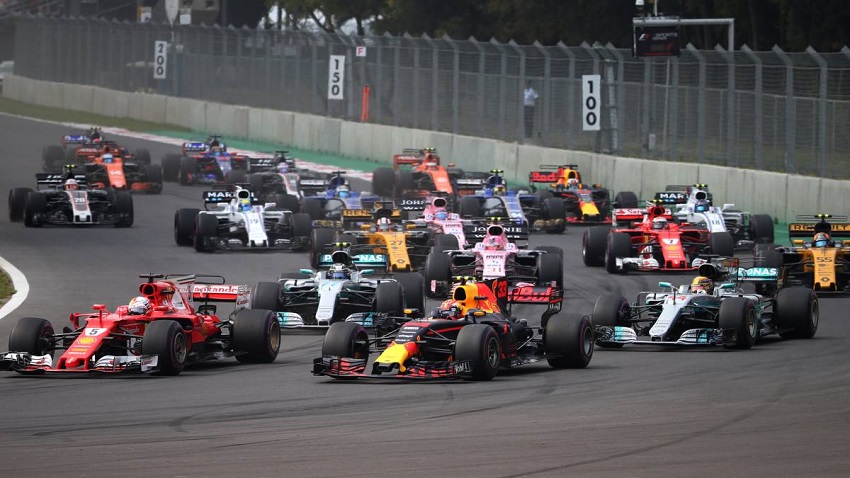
[160, 59]
[336, 73]
[590, 102]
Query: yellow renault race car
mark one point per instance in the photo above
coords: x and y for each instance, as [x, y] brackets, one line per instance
[819, 255]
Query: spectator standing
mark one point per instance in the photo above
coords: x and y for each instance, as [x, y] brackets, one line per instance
[529, 99]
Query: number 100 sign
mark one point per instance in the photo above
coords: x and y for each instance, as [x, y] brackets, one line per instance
[590, 103]
[336, 74]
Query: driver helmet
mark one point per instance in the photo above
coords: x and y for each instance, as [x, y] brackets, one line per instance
[384, 224]
[572, 183]
[338, 271]
[821, 239]
[701, 206]
[71, 185]
[499, 190]
[451, 309]
[441, 214]
[492, 244]
[139, 306]
[342, 191]
[702, 285]
[107, 158]
[283, 167]
[659, 223]
[245, 204]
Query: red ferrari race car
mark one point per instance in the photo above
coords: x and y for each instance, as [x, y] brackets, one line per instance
[583, 203]
[425, 176]
[471, 336]
[649, 240]
[159, 332]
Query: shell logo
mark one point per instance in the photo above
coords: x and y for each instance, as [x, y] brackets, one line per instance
[86, 340]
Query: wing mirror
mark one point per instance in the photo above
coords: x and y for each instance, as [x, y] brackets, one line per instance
[306, 272]
[665, 285]
[367, 272]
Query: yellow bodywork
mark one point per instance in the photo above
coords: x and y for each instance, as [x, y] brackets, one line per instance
[589, 209]
[394, 245]
[820, 261]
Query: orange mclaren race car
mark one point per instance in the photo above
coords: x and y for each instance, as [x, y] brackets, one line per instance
[160, 331]
[113, 168]
[472, 336]
[425, 176]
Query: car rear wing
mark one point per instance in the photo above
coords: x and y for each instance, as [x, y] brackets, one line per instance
[413, 204]
[194, 147]
[56, 181]
[262, 164]
[470, 184]
[75, 139]
[755, 274]
[364, 260]
[476, 230]
[807, 225]
[226, 194]
[637, 213]
[209, 288]
[310, 187]
[671, 197]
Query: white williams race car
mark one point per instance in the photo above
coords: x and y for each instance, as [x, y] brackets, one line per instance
[702, 314]
[233, 218]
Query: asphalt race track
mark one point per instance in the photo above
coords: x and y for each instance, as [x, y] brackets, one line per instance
[780, 409]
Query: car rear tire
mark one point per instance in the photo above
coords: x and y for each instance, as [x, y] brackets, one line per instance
[206, 231]
[568, 341]
[626, 199]
[184, 226]
[167, 340]
[593, 243]
[34, 205]
[238, 176]
[52, 157]
[321, 242]
[389, 298]
[313, 207]
[302, 224]
[123, 206]
[770, 258]
[738, 314]
[469, 207]
[346, 339]
[797, 312]
[256, 336]
[288, 202]
[619, 244]
[153, 174]
[553, 209]
[383, 182]
[413, 288]
[266, 295]
[448, 242]
[142, 156]
[761, 228]
[438, 267]
[550, 268]
[32, 335]
[170, 167]
[17, 201]
[478, 344]
[188, 167]
[722, 244]
[403, 183]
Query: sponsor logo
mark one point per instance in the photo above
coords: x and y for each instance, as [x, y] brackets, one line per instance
[93, 332]
[759, 272]
[215, 289]
[371, 258]
[86, 340]
[540, 177]
[462, 367]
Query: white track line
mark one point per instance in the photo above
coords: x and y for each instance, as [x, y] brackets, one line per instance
[22, 287]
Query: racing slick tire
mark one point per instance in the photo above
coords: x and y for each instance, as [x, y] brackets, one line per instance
[237, 176]
[593, 243]
[206, 230]
[313, 207]
[123, 206]
[770, 258]
[52, 157]
[143, 156]
[153, 174]
[553, 209]
[255, 183]
[170, 167]
[71, 155]
[738, 314]
[550, 270]
[568, 341]
[797, 312]
[301, 226]
[722, 244]
[266, 295]
[469, 207]
[413, 287]
[448, 242]
[288, 202]
[543, 195]
[383, 182]
[17, 200]
[403, 183]
[184, 226]
[626, 199]
[256, 336]
[552, 250]
[479, 345]
[167, 340]
[619, 244]
[389, 298]
[32, 335]
[346, 238]
[188, 167]
[438, 267]
[34, 205]
[611, 310]
[346, 339]
[320, 238]
[761, 228]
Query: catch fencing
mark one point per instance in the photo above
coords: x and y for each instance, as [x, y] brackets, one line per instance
[769, 110]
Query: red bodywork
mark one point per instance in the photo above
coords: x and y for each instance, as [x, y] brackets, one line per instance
[671, 246]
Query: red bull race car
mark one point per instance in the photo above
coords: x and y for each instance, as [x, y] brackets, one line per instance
[583, 203]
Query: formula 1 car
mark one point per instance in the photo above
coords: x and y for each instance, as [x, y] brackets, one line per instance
[725, 316]
[693, 205]
[648, 240]
[55, 205]
[334, 197]
[818, 257]
[112, 170]
[172, 333]
[405, 248]
[537, 210]
[277, 179]
[582, 203]
[425, 177]
[494, 257]
[235, 219]
[317, 299]
[79, 148]
[472, 339]
[206, 162]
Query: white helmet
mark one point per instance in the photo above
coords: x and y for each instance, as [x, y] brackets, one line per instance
[139, 306]
[384, 224]
[72, 185]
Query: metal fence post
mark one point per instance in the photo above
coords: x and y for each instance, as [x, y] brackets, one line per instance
[822, 91]
[759, 109]
[520, 129]
[790, 116]
[731, 137]
[397, 90]
[571, 74]
[621, 95]
[479, 95]
[435, 82]
[700, 102]
[547, 91]
[503, 73]
[455, 82]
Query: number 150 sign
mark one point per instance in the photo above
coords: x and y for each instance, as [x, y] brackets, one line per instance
[336, 74]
